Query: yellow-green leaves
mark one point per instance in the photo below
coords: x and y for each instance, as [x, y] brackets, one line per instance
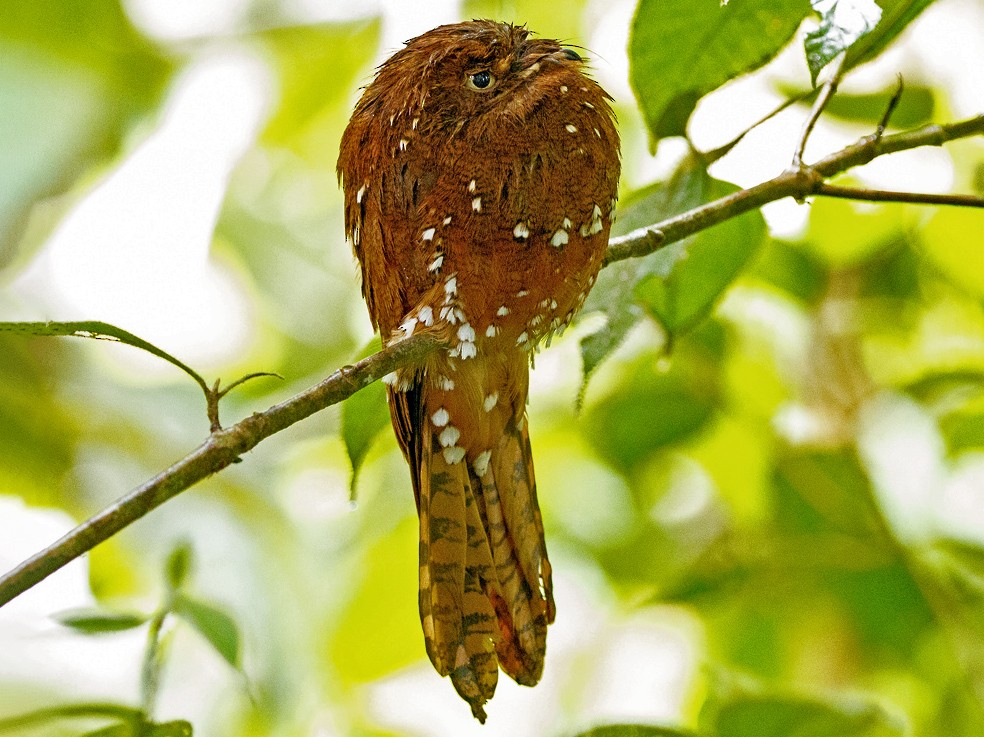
[75, 78]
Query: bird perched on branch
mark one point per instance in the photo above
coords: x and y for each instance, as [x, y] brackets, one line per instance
[480, 172]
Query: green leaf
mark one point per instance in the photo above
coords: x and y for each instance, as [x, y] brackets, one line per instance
[614, 292]
[963, 432]
[634, 730]
[842, 23]
[177, 728]
[915, 107]
[364, 415]
[113, 730]
[99, 621]
[697, 271]
[317, 67]
[98, 331]
[791, 269]
[653, 408]
[71, 711]
[896, 16]
[537, 15]
[778, 716]
[178, 564]
[680, 283]
[679, 50]
[213, 624]
[379, 630]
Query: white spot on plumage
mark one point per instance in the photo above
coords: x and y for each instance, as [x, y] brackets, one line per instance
[360, 194]
[392, 119]
[467, 349]
[408, 326]
[451, 285]
[491, 331]
[454, 455]
[447, 220]
[588, 105]
[544, 303]
[391, 378]
[523, 338]
[563, 88]
[567, 223]
[490, 401]
[521, 230]
[597, 132]
[553, 304]
[436, 263]
[403, 144]
[428, 234]
[444, 383]
[477, 204]
[466, 332]
[449, 436]
[440, 418]
[595, 225]
[502, 311]
[413, 125]
[521, 293]
[471, 186]
[426, 315]
[481, 463]
[356, 234]
[570, 128]
[560, 238]
[535, 320]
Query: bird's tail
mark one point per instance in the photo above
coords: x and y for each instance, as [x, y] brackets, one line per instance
[485, 587]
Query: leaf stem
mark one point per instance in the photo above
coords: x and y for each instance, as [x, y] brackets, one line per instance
[826, 93]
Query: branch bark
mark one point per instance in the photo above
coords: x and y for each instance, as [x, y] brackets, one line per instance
[225, 446]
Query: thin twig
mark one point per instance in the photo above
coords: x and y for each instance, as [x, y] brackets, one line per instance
[709, 157]
[224, 447]
[827, 92]
[892, 104]
[881, 195]
[220, 450]
[797, 184]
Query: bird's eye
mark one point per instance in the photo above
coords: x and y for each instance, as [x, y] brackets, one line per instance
[481, 81]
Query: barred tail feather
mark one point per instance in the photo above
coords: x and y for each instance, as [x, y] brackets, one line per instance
[485, 590]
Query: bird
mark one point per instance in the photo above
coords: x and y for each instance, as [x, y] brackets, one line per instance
[479, 172]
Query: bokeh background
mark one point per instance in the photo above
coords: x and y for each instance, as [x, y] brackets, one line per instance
[769, 506]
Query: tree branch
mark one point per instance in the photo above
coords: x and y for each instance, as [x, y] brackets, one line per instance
[881, 195]
[224, 447]
[795, 183]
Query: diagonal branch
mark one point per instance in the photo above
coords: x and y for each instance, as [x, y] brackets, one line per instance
[224, 447]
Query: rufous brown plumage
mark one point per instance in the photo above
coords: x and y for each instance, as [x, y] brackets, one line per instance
[480, 172]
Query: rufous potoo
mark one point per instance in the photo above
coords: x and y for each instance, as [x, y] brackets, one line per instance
[480, 172]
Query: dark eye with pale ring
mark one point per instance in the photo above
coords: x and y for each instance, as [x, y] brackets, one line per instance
[481, 81]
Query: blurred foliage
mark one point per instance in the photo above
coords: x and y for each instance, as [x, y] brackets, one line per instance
[777, 455]
[76, 77]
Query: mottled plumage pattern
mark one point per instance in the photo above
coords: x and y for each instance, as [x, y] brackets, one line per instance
[480, 170]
